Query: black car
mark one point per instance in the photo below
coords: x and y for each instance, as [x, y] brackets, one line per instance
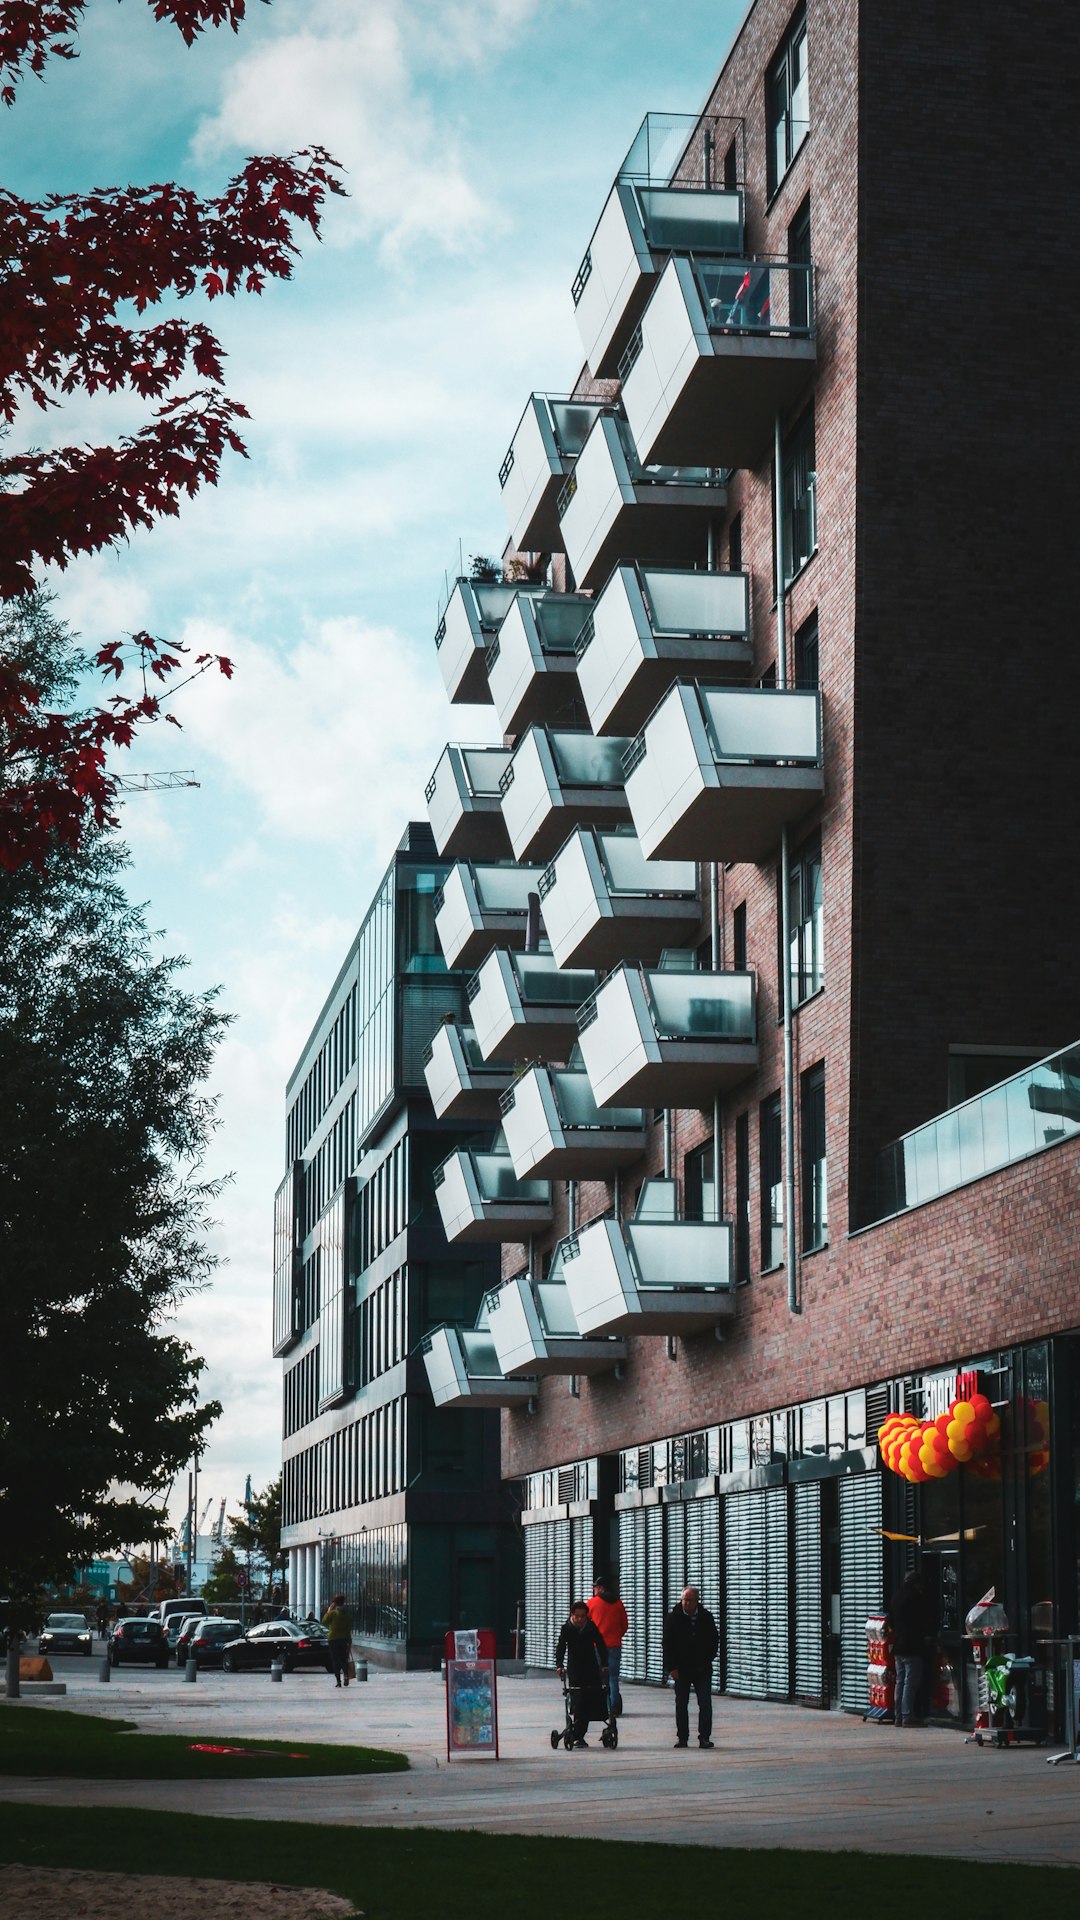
[138, 1640]
[278, 1639]
[205, 1641]
[66, 1633]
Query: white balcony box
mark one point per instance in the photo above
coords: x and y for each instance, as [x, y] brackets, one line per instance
[614, 507]
[648, 214]
[522, 1004]
[481, 1198]
[717, 773]
[651, 626]
[559, 780]
[669, 1038]
[462, 1085]
[548, 439]
[464, 803]
[531, 663]
[533, 1327]
[470, 620]
[657, 1275]
[480, 906]
[723, 348]
[603, 901]
[554, 1127]
[463, 1370]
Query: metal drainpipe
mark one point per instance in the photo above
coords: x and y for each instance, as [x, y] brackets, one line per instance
[571, 1206]
[714, 951]
[791, 1259]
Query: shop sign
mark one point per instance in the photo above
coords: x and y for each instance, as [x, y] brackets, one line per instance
[941, 1389]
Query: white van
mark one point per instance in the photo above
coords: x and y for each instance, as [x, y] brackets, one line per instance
[169, 1609]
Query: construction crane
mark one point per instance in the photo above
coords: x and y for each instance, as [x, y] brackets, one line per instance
[155, 782]
[201, 1528]
[217, 1531]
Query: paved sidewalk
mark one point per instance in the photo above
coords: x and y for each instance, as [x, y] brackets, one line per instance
[779, 1776]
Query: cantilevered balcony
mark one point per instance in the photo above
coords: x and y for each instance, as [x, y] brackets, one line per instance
[462, 1084]
[549, 437]
[483, 906]
[716, 773]
[532, 665]
[614, 507]
[533, 1327]
[657, 1274]
[603, 901]
[646, 216]
[669, 1039]
[463, 1370]
[723, 347]
[465, 803]
[556, 781]
[481, 1198]
[470, 620]
[653, 625]
[521, 1004]
[554, 1127]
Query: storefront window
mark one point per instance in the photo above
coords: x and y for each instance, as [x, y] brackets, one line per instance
[1035, 1443]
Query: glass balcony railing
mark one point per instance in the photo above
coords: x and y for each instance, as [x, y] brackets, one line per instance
[556, 781]
[670, 195]
[519, 1001]
[762, 725]
[479, 905]
[473, 614]
[481, 1198]
[464, 803]
[548, 438]
[463, 1370]
[554, 1126]
[1024, 1115]
[461, 1083]
[535, 1332]
[669, 1038]
[658, 1275]
[532, 662]
[603, 901]
[617, 507]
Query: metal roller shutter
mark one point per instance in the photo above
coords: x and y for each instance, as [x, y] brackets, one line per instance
[581, 1540]
[809, 1662]
[539, 1647]
[654, 1593]
[778, 1618]
[746, 1593]
[675, 1542]
[641, 1598]
[560, 1585]
[861, 1580]
[704, 1516]
[629, 1532]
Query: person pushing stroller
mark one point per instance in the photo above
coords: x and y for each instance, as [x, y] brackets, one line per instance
[581, 1660]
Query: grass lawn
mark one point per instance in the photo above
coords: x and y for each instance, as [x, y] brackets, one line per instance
[36, 1741]
[406, 1874]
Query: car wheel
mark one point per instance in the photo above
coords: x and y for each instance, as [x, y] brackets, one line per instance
[228, 1662]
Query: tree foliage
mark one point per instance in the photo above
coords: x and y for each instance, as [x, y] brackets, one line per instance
[224, 1581]
[78, 275]
[257, 1533]
[104, 1204]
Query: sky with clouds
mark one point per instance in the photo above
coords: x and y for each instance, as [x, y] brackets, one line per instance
[384, 383]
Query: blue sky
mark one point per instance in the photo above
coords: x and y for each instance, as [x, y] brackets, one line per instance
[385, 382]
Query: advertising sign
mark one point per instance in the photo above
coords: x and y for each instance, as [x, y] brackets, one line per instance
[472, 1709]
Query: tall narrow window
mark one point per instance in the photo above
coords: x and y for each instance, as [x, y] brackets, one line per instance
[798, 491]
[815, 1204]
[699, 1198]
[738, 937]
[772, 1185]
[800, 304]
[731, 168]
[734, 543]
[806, 653]
[742, 1199]
[806, 921]
[787, 100]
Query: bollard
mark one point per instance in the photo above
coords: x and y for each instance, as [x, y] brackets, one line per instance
[361, 1669]
[105, 1671]
[276, 1670]
[191, 1668]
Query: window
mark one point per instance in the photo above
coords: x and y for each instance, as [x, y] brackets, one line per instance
[742, 1199]
[806, 915]
[787, 100]
[800, 305]
[798, 489]
[699, 1200]
[806, 653]
[815, 1210]
[731, 168]
[738, 937]
[734, 544]
[772, 1184]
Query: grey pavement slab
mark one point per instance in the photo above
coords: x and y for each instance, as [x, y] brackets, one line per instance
[779, 1776]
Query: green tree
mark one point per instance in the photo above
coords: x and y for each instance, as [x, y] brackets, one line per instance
[104, 1205]
[224, 1582]
[257, 1535]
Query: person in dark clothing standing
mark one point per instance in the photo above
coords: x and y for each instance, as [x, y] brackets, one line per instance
[581, 1658]
[910, 1626]
[338, 1623]
[691, 1642]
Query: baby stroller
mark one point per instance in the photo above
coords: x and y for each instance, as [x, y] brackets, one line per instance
[593, 1701]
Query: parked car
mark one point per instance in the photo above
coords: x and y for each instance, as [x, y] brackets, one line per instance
[138, 1640]
[66, 1633]
[178, 1626]
[206, 1640]
[295, 1646]
[169, 1610]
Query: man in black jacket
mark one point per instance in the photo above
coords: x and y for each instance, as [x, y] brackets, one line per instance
[582, 1657]
[690, 1647]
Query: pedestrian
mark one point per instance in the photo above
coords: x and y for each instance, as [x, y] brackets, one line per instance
[103, 1621]
[338, 1623]
[691, 1641]
[581, 1660]
[608, 1615]
[910, 1625]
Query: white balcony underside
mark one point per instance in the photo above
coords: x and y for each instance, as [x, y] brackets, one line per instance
[604, 932]
[609, 1296]
[669, 1073]
[526, 1341]
[452, 1382]
[620, 702]
[722, 404]
[739, 815]
[459, 1088]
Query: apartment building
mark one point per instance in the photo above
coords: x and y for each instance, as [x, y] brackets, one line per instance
[769, 1048]
[386, 1497]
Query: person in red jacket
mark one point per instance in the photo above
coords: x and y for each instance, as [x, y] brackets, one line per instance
[608, 1615]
